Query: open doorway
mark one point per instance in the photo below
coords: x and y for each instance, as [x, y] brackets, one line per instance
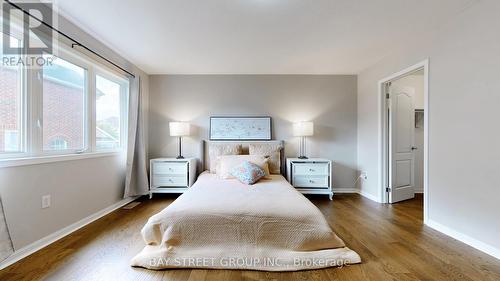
[404, 135]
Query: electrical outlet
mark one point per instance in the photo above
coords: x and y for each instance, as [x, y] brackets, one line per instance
[46, 201]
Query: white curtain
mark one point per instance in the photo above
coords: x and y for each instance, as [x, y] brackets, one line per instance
[136, 181]
[6, 248]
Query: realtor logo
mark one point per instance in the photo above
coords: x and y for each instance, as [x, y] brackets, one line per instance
[36, 36]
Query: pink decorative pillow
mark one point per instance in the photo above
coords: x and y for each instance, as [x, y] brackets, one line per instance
[248, 172]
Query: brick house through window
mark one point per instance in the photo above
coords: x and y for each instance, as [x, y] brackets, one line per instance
[63, 110]
[63, 118]
[9, 109]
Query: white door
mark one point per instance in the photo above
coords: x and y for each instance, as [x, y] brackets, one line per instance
[401, 143]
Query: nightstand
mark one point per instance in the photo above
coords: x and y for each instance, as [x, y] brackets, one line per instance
[310, 176]
[171, 175]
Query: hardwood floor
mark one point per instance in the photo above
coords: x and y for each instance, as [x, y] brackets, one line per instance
[391, 240]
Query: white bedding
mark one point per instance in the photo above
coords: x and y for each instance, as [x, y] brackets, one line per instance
[226, 224]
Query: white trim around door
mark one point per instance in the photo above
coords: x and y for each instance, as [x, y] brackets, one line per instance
[383, 132]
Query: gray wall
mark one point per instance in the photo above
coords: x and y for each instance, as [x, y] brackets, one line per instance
[464, 136]
[79, 188]
[328, 100]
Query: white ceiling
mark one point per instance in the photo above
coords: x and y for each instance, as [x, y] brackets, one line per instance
[257, 36]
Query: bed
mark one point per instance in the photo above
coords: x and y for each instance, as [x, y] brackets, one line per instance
[224, 224]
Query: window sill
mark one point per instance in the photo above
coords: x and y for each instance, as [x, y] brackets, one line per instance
[14, 162]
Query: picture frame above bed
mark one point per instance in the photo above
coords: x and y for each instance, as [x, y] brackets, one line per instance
[244, 128]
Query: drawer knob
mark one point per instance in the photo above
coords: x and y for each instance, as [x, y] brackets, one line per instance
[170, 180]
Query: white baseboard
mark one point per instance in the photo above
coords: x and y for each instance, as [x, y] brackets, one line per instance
[481, 246]
[356, 191]
[51, 238]
[369, 196]
[345, 190]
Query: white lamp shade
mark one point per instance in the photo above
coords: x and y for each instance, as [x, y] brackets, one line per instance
[179, 129]
[303, 129]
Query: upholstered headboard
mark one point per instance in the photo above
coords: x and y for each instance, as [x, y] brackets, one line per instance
[205, 161]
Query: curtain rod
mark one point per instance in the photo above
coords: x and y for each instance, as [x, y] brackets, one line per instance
[74, 42]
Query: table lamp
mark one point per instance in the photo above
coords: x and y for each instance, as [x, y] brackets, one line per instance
[179, 129]
[303, 130]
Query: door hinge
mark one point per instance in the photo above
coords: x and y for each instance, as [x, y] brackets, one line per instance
[387, 189]
[387, 96]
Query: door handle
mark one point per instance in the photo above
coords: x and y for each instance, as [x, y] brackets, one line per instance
[414, 148]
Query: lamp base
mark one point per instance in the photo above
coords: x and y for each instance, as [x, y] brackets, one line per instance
[303, 157]
[180, 149]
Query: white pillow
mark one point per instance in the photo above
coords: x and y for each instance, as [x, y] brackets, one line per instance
[217, 149]
[226, 163]
[270, 150]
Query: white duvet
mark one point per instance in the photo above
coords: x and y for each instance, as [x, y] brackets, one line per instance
[228, 225]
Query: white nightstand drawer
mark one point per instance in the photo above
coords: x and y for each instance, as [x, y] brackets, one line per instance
[170, 168]
[311, 181]
[171, 175]
[170, 180]
[313, 169]
[310, 176]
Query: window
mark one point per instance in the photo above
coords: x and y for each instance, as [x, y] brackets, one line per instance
[64, 96]
[77, 107]
[11, 106]
[108, 111]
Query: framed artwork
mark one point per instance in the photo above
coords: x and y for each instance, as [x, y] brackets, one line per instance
[240, 128]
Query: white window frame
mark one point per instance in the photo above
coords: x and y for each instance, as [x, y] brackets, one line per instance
[32, 113]
[23, 109]
[77, 60]
[124, 95]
